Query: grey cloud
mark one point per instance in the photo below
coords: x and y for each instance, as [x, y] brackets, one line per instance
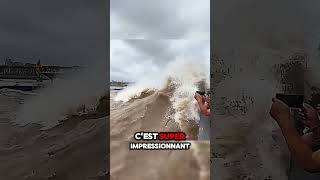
[58, 32]
[278, 25]
[147, 35]
[132, 59]
[158, 50]
[155, 19]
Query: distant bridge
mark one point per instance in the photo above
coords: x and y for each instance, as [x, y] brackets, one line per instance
[31, 72]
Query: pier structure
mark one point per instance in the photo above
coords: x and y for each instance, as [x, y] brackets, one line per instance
[33, 72]
[120, 83]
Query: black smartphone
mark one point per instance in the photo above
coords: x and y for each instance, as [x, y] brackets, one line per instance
[293, 101]
[315, 100]
[202, 93]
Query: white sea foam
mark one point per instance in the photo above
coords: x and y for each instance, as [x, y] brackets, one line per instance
[181, 78]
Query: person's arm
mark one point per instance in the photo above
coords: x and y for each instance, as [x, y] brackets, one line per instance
[301, 152]
[316, 156]
[203, 108]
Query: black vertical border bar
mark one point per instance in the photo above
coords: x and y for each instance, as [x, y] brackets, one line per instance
[107, 50]
[211, 89]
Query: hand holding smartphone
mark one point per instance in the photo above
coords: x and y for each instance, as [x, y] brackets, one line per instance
[202, 93]
[293, 101]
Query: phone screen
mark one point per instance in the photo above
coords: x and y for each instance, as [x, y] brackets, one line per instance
[293, 101]
[315, 100]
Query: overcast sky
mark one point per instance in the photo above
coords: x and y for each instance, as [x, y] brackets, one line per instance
[251, 25]
[60, 32]
[146, 35]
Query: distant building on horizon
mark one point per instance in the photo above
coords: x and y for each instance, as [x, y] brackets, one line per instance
[119, 83]
[8, 62]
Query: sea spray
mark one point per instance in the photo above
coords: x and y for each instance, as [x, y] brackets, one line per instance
[201, 153]
[180, 80]
[53, 103]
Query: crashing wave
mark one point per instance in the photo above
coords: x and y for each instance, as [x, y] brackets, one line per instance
[179, 82]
